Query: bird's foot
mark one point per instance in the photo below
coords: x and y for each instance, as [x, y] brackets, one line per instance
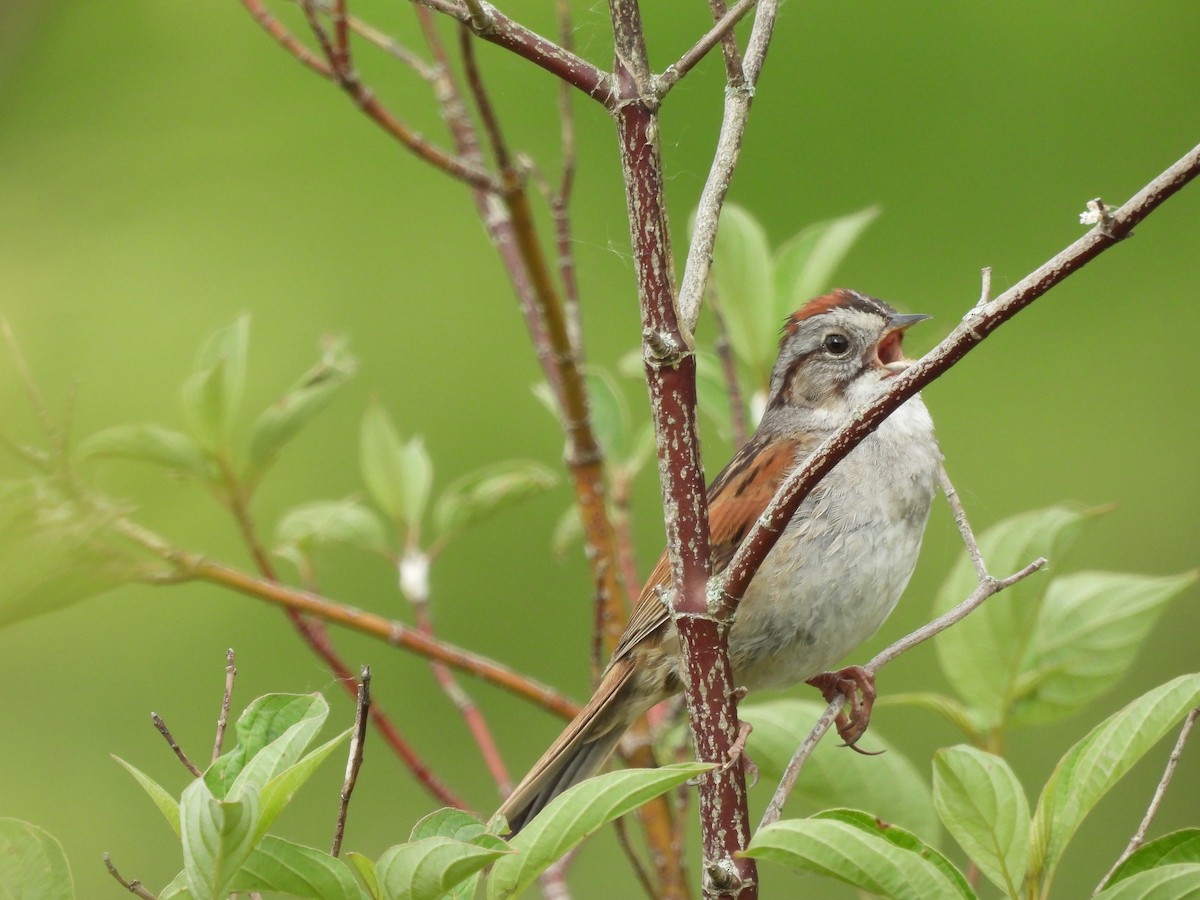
[857, 685]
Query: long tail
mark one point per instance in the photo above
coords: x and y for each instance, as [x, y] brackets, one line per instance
[580, 751]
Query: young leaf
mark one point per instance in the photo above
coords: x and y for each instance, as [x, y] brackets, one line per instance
[217, 837]
[483, 493]
[293, 719]
[149, 443]
[1090, 628]
[366, 871]
[302, 402]
[429, 868]
[1177, 847]
[331, 522]
[948, 708]
[167, 805]
[32, 863]
[981, 655]
[868, 860]
[398, 475]
[804, 266]
[983, 806]
[1180, 881]
[448, 822]
[1089, 769]
[567, 531]
[577, 813]
[293, 869]
[888, 784]
[278, 792]
[213, 391]
[55, 552]
[741, 274]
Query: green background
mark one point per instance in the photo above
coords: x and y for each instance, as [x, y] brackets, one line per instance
[163, 167]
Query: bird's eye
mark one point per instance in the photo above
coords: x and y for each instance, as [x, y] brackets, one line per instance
[836, 344]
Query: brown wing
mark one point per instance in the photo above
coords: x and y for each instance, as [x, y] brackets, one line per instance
[736, 499]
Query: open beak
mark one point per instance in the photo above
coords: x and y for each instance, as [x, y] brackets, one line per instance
[890, 352]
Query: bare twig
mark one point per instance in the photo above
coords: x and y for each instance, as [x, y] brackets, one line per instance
[362, 706]
[977, 325]
[543, 52]
[986, 588]
[985, 289]
[738, 98]
[964, 527]
[1160, 791]
[170, 739]
[337, 68]
[226, 701]
[720, 33]
[134, 886]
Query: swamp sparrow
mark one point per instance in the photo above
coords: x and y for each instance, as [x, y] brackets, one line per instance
[835, 574]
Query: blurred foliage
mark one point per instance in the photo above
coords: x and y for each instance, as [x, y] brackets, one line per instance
[165, 170]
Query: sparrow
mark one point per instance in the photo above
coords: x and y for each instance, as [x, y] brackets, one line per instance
[835, 574]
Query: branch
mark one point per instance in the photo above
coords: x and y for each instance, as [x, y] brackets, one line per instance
[738, 98]
[226, 701]
[978, 323]
[543, 52]
[362, 704]
[162, 728]
[670, 366]
[1160, 791]
[134, 887]
[723, 29]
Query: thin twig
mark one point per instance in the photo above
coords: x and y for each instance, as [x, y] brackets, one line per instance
[483, 102]
[964, 527]
[558, 61]
[384, 42]
[171, 742]
[341, 72]
[738, 99]
[986, 588]
[985, 288]
[560, 204]
[721, 32]
[362, 705]
[134, 886]
[1160, 791]
[226, 700]
[480, 20]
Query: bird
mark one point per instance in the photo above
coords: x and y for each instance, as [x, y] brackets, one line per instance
[838, 569]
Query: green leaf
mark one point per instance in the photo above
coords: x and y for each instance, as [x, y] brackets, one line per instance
[1176, 847]
[981, 655]
[804, 266]
[485, 492]
[288, 868]
[292, 720]
[177, 889]
[366, 871]
[55, 552]
[577, 813]
[331, 522]
[983, 806]
[32, 863]
[567, 531]
[742, 276]
[213, 391]
[398, 475]
[1091, 627]
[1090, 769]
[167, 805]
[1180, 881]
[608, 412]
[299, 405]
[874, 859]
[278, 792]
[888, 784]
[712, 394]
[217, 836]
[449, 822]
[428, 869]
[149, 443]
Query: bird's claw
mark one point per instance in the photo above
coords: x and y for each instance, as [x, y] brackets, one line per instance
[857, 685]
